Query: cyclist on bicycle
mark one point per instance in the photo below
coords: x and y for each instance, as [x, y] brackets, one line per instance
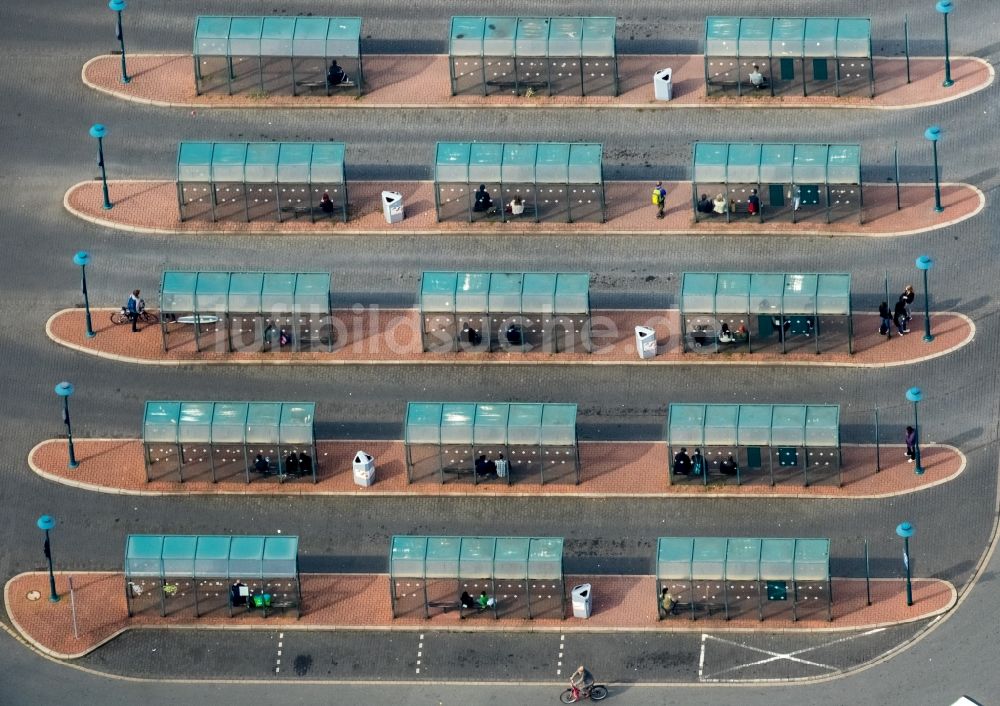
[582, 680]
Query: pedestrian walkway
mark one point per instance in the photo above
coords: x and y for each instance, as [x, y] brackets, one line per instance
[151, 207]
[422, 81]
[375, 336]
[362, 602]
[607, 469]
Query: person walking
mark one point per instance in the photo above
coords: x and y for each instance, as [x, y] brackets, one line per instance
[899, 317]
[907, 298]
[911, 444]
[659, 198]
[885, 326]
[796, 197]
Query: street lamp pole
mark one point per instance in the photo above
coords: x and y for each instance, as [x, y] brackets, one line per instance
[82, 258]
[64, 390]
[45, 523]
[906, 530]
[945, 7]
[933, 133]
[118, 6]
[914, 395]
[98, 131]
[925, 263]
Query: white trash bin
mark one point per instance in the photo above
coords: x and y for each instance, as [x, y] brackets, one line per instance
[582, 599]
[663, 84]
[364, 469]
[645, 342]
[392, 206]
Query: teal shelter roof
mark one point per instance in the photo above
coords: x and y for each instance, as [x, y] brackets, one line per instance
[260, 293]
[228, 422]
[750, 163]
[514, 558]
[277, 36]
[505, 292]
[467, 423]
[758, 37]
[211, 556]
[261, 162]
[742, 559]
[524, 162]
[747, 293]
[532, 36]
[699, 425]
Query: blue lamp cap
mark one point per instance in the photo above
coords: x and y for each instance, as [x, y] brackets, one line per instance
[924, 262]
[97, 130]
[905, 529]
[81, 258]
[914, 394]
[944, 6]
[119, 5]
[46, 522]
[933, 133]
[64, 389]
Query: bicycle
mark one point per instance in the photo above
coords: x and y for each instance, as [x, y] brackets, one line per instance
[597, 692]
[120, 317]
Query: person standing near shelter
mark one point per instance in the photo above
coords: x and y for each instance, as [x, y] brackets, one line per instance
[756, 77]
[899, 317]
[659, 198]
[753, 203]
[134, 307]
[911, 444]
[885, 326]
[796, 194]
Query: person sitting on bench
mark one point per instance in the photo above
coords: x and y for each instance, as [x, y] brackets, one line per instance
[704, 204]
[516, 206]
[336, 75]
[261, 465]
[325, 204]
[668, 602]
[305, 463]
[757, 79]
[484, 202]
[485, 601]
[725, 334]
[682, 463]
[471, 335]
[728, 467]
[292, 465]
[467, 601]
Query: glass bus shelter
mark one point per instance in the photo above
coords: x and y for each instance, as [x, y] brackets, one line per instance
[549, 55]
[523, 575]
[740, 576]
[792, 181]
[772, 442]
[249, 181]
[505, 311]
[224, 439]
[553, 182]
[205, 573]
[246, 311]
[266, 56]
[811, 55]
[447, 438]
[737, 312]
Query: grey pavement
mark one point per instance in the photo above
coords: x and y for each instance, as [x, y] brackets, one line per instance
[45, 149]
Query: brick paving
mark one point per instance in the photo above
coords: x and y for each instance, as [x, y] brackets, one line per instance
[407, 80]
[151, 206]
[630, 469]
[353, 601]
[375, 335]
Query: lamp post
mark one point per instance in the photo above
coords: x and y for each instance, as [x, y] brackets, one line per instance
[82, 259]
[98, 131]
[906, 530]
[45, 523]
[119, 5]
[64, 390]
[933, 133]
[925, 263]
[914, 395]
[945, 7]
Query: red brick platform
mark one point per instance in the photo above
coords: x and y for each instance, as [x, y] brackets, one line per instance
[392, 336]
[151, 207]
[421, 81]
[361, 601]
[607, 469]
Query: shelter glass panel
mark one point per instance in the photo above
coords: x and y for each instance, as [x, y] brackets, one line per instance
[722, 36]
[442, 557]
[710, 159]
[457, 423]
[812, 560]
[755, 36]
[511, 558]
[263, 422]
[559, 425]
[776, 164]
[476, 558]
[685, 424]
[754, 425]
[743, 559]
[673, 558]
[708, 560]
[732, 293]
[822, 426]
[820, 37]
[161, 422]
[721, 424]
[491, 424]
[572, 293]
[545, 556]
[788, 425]
[777, 559]
[406, 557]
[524, 425]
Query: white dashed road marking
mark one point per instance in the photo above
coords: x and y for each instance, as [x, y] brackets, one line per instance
[420, 653]
[281, 643]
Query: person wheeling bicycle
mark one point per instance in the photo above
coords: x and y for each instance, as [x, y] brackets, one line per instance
[581, 681]
[134, 307]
